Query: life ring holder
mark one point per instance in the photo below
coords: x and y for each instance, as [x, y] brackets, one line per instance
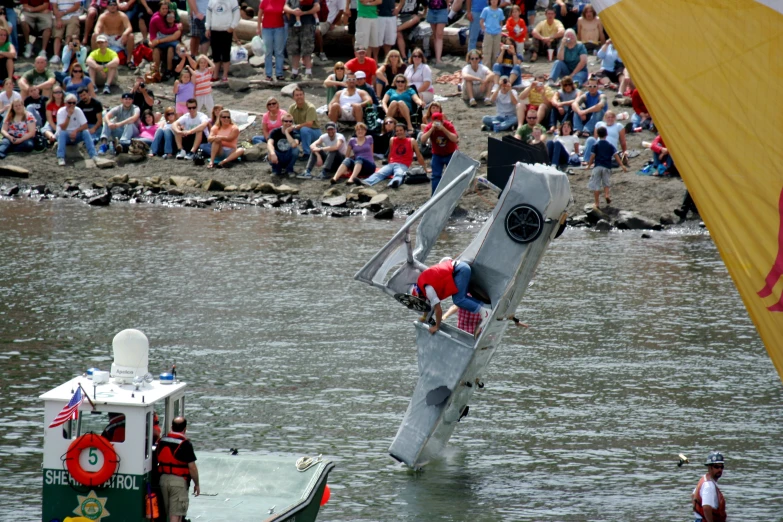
[91, 478]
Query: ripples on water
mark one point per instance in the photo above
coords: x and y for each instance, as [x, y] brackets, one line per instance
[638, 350]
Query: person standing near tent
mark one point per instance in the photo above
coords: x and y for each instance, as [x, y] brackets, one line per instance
[708, 502]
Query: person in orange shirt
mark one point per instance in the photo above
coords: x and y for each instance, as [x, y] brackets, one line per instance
[223, 140]
[516, 28]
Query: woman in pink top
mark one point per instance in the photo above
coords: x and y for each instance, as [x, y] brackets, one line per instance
[223, 139]
[272, 119]
[147, 128]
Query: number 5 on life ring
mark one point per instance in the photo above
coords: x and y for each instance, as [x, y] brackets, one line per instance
[91, 478]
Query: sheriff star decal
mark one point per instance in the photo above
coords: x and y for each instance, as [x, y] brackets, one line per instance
[91, 506]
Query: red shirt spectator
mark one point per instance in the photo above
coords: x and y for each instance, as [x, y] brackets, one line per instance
[272, 11]
[637, 102]
[441, 145]
[369, 67]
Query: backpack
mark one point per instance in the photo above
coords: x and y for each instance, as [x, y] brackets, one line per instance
[40, 143]
[200, 157]
[416, 176]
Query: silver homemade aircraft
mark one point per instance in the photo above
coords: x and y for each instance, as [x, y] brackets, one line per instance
[503, 256]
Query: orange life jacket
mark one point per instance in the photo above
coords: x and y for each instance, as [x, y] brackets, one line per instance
[441, 278]
[167, 456]
[718, 515]
[115, 430]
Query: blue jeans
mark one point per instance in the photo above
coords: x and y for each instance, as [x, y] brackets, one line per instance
[560, 69]
[163, 141]
[274, 41]
[473, 34]
[504, 70]
[6, 147]
[462, 280]
[663, 166]
[636, 121]
[64, 138]
[308, 135]
[556, 118]
[255, 140]
[36, 115]
[438, 163]
[559, 156]
[125, 133]
[396, 171]
[11, 18]
[285, 162]
[589, 125]
[503, 122]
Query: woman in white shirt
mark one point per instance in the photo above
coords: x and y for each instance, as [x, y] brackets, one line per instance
[564, 149]
[419, 75]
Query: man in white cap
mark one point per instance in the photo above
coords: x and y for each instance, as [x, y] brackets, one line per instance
[708, 502]
[361, 84]
[103, 63]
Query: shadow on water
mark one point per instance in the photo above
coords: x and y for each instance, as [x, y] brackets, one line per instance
[637, 350]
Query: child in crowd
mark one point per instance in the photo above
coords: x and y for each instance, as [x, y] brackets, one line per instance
[184, 89]
[516, 28]
[602, 155]
[202, 79]
[492, 24]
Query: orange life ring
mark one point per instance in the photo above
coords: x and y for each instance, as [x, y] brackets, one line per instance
[91, 478]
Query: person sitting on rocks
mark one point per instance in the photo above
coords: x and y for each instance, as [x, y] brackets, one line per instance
[18, 130]
[383, 138]
[564, 149]
[66, 24]
[103, 63]
[419, 75]
[40, 76]
[36, 14]
[8, 96]
[282, 143]
[114, 24]
[327, 151]
[223, 140]
[148, 128]
[165, 34]
[7, 55]
[272, 119]
[477, 79]
[36, 105]
[508, 62]
[399, 102]
[525, 132]
[662, 159]
[561, 104]
[362, 164]
[361, 84]
[612, 67]
[615, 135]
[589, 108]
[305, 120]
[590, 30]
[348, 104]
[335, 81]
[505, 101]
[571, 59]
[190, 130]
[444, 139]
[546, 35]
[73, 53]
[163, 141]
[392, 66]
[538, 95]
[120, 126]
[78, 80]
[401, 151]
[72, 129]
[409, 14]
[55, 104]
[641, 119]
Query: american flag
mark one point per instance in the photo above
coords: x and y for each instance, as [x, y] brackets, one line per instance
[70, 409]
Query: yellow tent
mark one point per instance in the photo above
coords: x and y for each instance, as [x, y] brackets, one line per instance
[711, 74]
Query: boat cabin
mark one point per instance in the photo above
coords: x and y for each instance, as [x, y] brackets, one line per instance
[97, 462]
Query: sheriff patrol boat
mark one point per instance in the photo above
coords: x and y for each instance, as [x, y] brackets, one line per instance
[99, 441]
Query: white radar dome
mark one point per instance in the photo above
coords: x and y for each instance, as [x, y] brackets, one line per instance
[131, 356]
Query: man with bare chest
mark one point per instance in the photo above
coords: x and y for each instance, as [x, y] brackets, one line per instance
[118, 30]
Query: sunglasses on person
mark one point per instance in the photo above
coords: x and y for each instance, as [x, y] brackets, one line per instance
[288, 121]
[400, 81]
[225, 117]
[474, 58]
[271, 104]
[77, 71]
[192, 107]
[71, 103]
[418, 56]
[339, 68]
[532, 117]
[592, 86]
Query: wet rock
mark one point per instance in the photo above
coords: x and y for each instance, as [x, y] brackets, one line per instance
[238, 85]
[100, 201]
[365, 194]
[337, 201]
[193, 203]
[332, 192]
[306, 204]
[40, 189]
[340, 213]
[578, 221]
[13, 191]
[702, 225]
[646, 236]
[287, 199]
[385, 213]
[119, 178]
[153, 181]
[12, 171]
[378, 202]
[67, 187]
[666, 219]
[288, 90]
[213, 185]
[594, 215]
[181, 181]
[241, 70]
[629, 220]
[245, 187]
[265, 188]
[286, 189]
[603, 225]
[133, 182]
[271, 201]
[120, 197]
[123, 159]
[119, 188]
[175, 192]
[352, 196]
[98, 185]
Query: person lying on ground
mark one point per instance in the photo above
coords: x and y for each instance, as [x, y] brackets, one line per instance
[223, 140]
[281, 147]
[72, 129]
[399, 102]
[505, 101]
[571, 59]
[401, 152]
[163, 141]
[590, 30]
[190, 131]
[477, 79]
[328, 151]
[564, 149]
[508, 62]
[546, 35]
[120, 126]
[561, 104]
[444, 139]
[103, 63]
[18, 130]
[538, 95]
[362, 164]
[615, 135]
[348, 104]
[589, 108]
[40, 76]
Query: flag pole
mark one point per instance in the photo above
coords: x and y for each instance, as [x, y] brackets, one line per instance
[87, 396]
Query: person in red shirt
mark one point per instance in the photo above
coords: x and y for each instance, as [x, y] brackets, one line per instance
[517, 29]
[662, 160]
[641, 118]
[362, 63]
[444, 139]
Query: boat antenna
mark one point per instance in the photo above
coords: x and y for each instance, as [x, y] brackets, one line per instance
[87, 395]
[174, 370]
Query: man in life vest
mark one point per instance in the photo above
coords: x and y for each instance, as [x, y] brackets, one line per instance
[115, 430]
[176, 466]
[708, 502]
[448, 278]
